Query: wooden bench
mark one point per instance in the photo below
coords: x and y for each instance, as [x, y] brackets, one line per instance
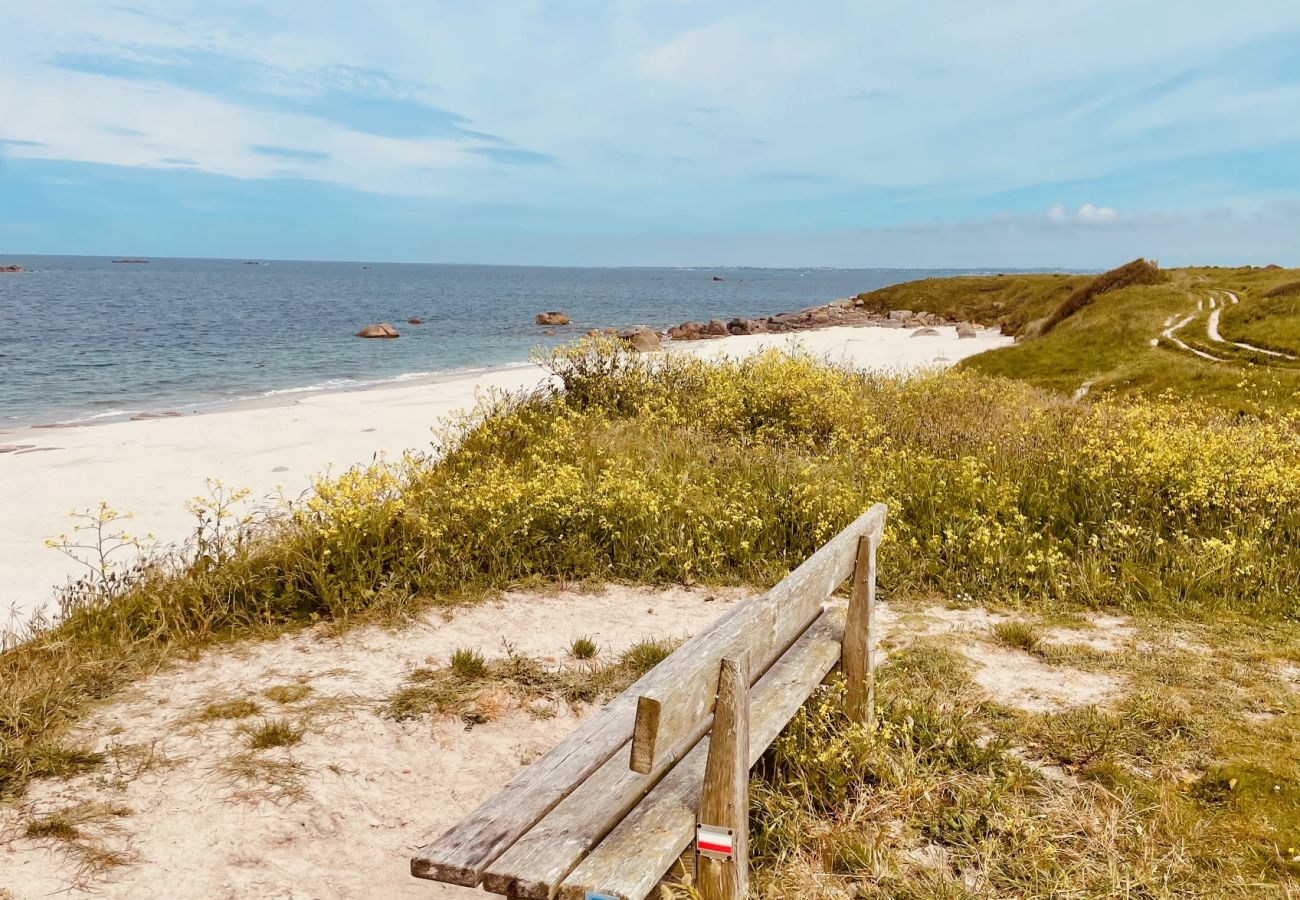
[665, 765]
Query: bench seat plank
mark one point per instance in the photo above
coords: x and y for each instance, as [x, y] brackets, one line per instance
[630, 861]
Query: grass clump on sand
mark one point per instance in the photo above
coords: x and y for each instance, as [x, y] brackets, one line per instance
[468, 663]
[273, 733]
[583, 648]
[518, 681]
[286, 693]
[229, 709]
[1018, 634]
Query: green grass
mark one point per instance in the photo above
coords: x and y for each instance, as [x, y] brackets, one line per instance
[468, 663]
[1077, 330]
[1018, 634]
[1269, 322]
[1011, 300]
[583, 648]
[1170, 793]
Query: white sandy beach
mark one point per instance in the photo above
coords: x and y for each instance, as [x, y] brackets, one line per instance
[152, 467]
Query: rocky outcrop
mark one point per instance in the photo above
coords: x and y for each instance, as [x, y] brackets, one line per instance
[642, 340]
[11, 268]
[966, 330]
[133, 261]
[380, 330]
[848, 311]
[553, 317]
[746, 326]
[718, 278]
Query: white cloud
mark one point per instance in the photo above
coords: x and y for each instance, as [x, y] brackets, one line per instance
[1099, 214]
[1087, 214]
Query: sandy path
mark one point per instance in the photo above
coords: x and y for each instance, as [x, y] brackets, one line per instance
[1169, 333]
[364, 791]
[151, 467]
[1212, 330]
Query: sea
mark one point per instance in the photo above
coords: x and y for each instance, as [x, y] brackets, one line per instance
[86, 339]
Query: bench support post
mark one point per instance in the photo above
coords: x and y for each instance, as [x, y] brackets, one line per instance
[859, 659]
[723, 821]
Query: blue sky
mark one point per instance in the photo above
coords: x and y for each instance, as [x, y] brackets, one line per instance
[1074, 133]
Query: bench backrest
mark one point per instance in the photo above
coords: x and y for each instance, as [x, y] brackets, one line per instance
[672, 711]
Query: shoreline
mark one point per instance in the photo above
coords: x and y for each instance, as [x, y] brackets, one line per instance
[276, 446]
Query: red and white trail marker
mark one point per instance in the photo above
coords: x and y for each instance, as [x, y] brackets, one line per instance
[714, 842]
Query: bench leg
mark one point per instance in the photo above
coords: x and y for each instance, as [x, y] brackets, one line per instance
[860, 638]
[722, 832]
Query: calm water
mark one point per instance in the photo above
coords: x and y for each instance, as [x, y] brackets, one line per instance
[82, 337]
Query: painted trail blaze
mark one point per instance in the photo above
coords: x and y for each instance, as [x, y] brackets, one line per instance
[713, 842]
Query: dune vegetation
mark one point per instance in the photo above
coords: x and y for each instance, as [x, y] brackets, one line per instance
[1001, 493]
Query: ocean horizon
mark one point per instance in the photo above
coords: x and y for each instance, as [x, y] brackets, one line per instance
[86, 339]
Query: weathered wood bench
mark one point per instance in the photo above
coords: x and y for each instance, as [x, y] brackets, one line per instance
[665, 765]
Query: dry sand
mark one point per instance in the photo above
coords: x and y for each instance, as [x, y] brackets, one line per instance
[151, 467]
[361, 791]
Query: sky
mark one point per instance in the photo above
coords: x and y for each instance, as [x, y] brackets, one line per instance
[876, 133]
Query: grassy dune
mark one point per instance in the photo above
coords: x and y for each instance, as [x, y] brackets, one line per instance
[1001, 493]
[1105, 340]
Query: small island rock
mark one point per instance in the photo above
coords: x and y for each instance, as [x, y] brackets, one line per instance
[380, 330]
[552, 318]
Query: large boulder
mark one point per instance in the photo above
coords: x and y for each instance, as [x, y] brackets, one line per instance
[745, 326]
[717, 328]
[381, 330]
[553, 317]
[687, 331]
[966, 330]
[925, 332]
[642, 340]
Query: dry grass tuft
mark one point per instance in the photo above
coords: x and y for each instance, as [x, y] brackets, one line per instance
[286, 693]
[229, 709]
[272, 733]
